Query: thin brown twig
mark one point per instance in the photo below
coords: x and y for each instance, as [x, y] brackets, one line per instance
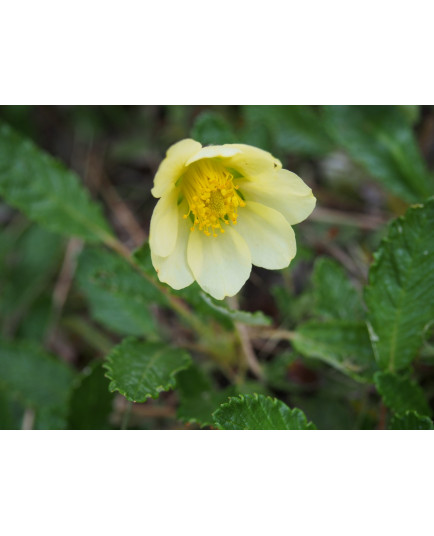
[63, 284]
[344, 259]
[382, 418]
[337, 217]
[28, 419]
[273, 334]
[246, 344]
[122, 212]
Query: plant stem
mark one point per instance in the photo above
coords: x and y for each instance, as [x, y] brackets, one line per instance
[175, 303]
[126, 416]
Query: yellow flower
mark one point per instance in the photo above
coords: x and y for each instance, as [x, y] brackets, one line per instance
[223, 208]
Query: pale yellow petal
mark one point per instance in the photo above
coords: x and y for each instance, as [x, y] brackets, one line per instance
[173, 166]
[174, 269]
[221, 265]
[214, 151]
[164, 224]
[284, 191]
[269, 236]
[251, 161]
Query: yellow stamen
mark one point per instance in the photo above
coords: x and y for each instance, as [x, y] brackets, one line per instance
[211, 195]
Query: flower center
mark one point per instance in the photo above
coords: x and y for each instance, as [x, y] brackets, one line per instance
[212, 197]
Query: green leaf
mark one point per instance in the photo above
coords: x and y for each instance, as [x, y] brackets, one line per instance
[198, 398]
[259, 412]
[11, 412]
[46, 191]
[91, 400]
[37, 380]
[287, 129]
[119, 297]
[139, 370]
[382, 141]
[411, 420]
[28, 265]
[400, 294]
[336, 297]
[401, 394]
[343, 345]
[253, 319]
[211, 128]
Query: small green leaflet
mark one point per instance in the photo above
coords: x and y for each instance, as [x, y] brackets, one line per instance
[401, 394]
[400, 294]
[259, 412]
[253, 319]
[140, 370]
[46, 191]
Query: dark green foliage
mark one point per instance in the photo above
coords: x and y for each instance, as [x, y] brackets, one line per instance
[211, 129]
[335, 296]
[344, 345]
[296, 129]
[118, 296]
[381, 139]
[198, 397]
[36, 380]
[91, 400]
[29, 263]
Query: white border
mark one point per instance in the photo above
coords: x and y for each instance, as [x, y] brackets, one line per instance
[213, 483]
[226, 52]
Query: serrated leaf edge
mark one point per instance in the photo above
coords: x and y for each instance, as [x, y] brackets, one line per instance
[240, 399]
[160, 388]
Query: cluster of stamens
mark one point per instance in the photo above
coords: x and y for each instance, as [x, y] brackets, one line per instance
[211, 195]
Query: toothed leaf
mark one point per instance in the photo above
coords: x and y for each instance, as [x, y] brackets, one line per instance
[140, 370]
[48, 193]
[400, 295]
[259, 412]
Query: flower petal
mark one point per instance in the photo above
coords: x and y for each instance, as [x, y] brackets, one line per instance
[164, 224]
[214, 151]
[221, 265]
[284, 191]
[173, 166]
[174, 269]
[251, 161]
[269, 236]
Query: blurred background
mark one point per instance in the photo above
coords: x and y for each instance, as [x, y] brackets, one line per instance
[365, 166]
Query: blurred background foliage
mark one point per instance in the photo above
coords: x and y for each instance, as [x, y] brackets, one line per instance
[65, 305]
